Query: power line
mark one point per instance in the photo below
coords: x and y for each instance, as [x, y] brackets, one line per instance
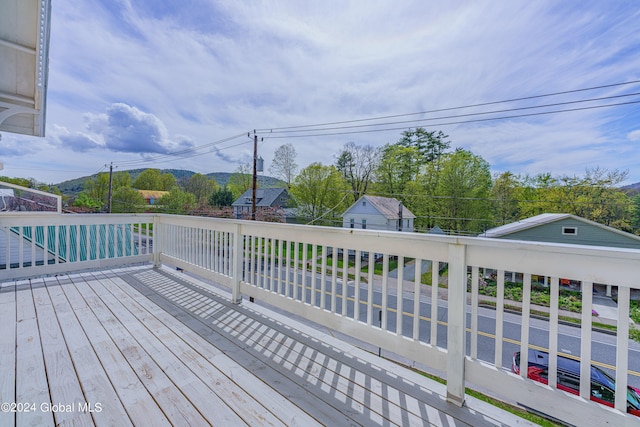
[466, 115]
[456, 122]
[452, 108]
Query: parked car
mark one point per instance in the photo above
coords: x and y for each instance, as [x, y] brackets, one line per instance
[602, 384]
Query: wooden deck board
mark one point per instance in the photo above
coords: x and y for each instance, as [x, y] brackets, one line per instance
[288, 389]
[7, 351]
[155, 347]
[202, 402]
[31, 379]
[93, 380]
[177, 409]
[65, 389]
[335, 391]
[139, 404]
[199, 356]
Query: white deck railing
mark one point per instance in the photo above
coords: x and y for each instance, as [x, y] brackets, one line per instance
[303, 270]
[36, 244]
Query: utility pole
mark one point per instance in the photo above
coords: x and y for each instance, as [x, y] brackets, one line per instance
[110, 186]
[255, 176]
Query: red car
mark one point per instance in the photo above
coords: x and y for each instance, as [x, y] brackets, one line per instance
[602, 385]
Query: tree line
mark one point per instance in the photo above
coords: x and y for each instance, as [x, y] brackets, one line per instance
[453, 189]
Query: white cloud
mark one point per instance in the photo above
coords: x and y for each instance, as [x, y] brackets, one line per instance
[634, 135]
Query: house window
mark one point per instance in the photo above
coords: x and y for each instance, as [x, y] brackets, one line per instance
[570, 231]
[364, 224]
[364, 203]
[352, 223]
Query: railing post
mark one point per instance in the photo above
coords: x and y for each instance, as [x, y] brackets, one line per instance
[156, 242]
[456, 329]
[236, 271]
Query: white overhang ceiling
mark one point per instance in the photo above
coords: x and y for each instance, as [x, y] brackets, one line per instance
[24, 57]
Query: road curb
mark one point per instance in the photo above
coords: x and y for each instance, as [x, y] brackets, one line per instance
[560, 321]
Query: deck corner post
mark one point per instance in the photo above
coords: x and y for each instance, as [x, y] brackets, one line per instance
[236, 272]
[456, 330]
[156, 242]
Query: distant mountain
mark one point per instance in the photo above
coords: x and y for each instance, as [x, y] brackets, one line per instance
[632, 189]
[73, 187]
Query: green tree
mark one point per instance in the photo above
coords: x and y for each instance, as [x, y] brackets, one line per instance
[463, 189]
[241, 180]
[397, 167]
[85, 201]
[430, 145]
[121, 179]
[201, 187]
[126, 200]
[222, 197]
[167, 181]
[98, 188]
[177, 201]
[357, 164]
[506, 192]
[153, 179]
[320, 192]
[595, 196]
[284, 164]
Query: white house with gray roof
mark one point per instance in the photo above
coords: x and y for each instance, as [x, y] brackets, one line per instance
[378, 213]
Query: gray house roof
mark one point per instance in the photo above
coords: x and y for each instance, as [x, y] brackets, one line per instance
[524, 229]
[387, 206]
[265, 197]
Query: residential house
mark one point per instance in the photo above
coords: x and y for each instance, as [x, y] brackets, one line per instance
[151, 197]
[266, 198]
[378, 213]
[565, 228]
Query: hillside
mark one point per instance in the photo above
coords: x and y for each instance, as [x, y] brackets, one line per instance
[632, 189]
[73, 187]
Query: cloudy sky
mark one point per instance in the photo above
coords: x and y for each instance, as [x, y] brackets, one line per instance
[179, 84]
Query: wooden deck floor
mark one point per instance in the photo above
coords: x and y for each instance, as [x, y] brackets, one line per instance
[144, 346]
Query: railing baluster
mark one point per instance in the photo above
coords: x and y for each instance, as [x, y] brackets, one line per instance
[526, 318]
[304, 273]
[282, 269]
[323, 275]
[622, 348]
[7, 255]
[473, 343]
[385, 291]
[417, 285]
[20, 248]
[399, 299]
[67, 243]
[585, 340]
[33, 245]
[370, 267]
[296, 269]
[259, 264]
[553, 333]
[287, 276]
[435, 276]
[499, 320]
[345, 280]
[334, 277]
[273, 244]
[356, 286]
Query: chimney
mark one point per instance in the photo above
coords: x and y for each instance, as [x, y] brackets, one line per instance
[400, 217]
